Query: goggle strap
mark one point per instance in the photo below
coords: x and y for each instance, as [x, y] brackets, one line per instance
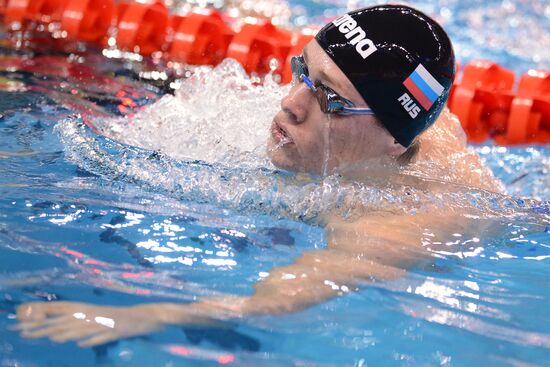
[358, 111]
[308, 82]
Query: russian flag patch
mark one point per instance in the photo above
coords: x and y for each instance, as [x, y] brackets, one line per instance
[423, 87]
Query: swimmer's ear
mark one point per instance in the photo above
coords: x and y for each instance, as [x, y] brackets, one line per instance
[396, 149]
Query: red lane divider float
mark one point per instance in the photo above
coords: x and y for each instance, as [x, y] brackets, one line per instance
[142, 26]
[258, 44]
[529, 118]
[200, 38]
[45, 11]
[87, 20]
[484, 99]
[481, 93]
[487, 105]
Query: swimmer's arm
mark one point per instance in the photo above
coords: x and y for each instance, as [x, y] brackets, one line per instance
[373, 249]
[370, 250]
[314, 277]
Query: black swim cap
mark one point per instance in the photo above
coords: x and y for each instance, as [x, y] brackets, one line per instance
[400, 61]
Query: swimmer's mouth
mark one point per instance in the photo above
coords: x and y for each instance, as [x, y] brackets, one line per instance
[279, 133]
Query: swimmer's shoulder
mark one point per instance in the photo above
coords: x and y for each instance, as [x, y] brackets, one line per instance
[403, 229]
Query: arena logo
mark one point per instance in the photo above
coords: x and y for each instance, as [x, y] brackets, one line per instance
[346, 25]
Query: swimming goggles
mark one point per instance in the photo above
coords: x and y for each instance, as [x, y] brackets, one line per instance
[329, 100]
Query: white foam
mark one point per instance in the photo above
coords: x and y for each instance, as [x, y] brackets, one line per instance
[217, 116]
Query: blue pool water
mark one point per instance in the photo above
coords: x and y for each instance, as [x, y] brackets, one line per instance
[87, 218]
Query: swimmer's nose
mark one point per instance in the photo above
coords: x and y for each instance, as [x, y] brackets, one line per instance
[297, 103]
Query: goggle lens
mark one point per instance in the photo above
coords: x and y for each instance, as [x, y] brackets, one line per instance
[298, 67]
[328, 99]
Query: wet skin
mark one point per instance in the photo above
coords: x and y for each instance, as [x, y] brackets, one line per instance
[320, 143]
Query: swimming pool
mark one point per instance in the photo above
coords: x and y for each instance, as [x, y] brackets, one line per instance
[86, 218]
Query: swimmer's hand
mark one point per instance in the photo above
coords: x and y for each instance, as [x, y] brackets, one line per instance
[90, 325]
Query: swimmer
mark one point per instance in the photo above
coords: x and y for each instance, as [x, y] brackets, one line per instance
[366, 91]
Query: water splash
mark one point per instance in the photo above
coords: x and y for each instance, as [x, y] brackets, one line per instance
[218, 116]
[284, 141]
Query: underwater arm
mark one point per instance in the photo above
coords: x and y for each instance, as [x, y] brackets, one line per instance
[372, 249]
[313, 278]
[375, 248]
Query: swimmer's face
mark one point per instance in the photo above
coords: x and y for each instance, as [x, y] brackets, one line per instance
[320, 143]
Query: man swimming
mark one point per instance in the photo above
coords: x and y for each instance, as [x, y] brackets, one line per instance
[366, 91]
